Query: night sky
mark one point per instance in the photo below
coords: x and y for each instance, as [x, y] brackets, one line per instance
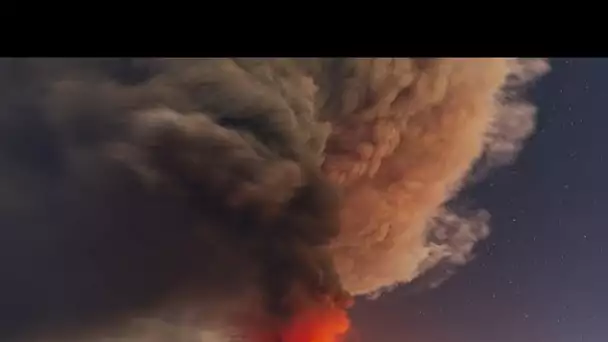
[542, 274]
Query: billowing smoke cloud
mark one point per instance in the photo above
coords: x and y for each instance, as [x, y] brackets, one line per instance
[201, 191]
[408, 140]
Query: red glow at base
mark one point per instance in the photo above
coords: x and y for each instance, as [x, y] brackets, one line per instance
[327, 324]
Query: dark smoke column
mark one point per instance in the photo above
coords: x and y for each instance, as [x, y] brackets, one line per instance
[129, 183]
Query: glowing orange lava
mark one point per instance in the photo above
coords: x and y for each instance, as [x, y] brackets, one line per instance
[327, 324]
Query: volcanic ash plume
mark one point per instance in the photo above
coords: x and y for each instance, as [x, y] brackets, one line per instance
[212, 192]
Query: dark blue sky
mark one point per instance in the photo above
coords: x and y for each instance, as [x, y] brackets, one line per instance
[541, 275]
